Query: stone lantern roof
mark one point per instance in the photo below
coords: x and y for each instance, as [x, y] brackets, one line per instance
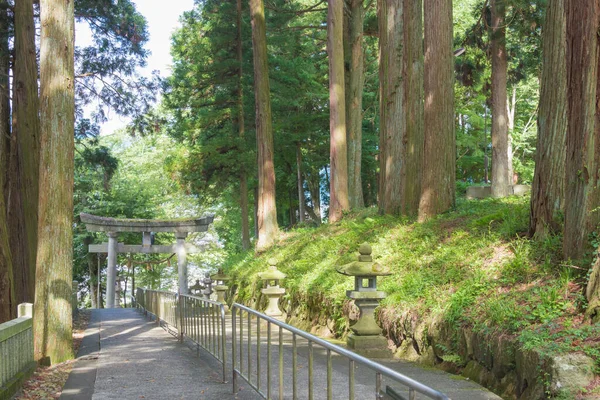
[365, 265]
[272, 274]
[220, 276]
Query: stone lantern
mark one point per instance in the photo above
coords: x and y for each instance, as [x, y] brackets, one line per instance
[197, 288]
[207, 286]
[272, 290]
[221, 288]
[366, 338]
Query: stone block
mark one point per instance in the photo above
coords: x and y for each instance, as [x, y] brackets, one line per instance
[465, 345]
[479, 192]
[482, 351]
[521, 190]
[25, 310]
[503, 355]
[529, 371]
[369, 346]
[571, 372]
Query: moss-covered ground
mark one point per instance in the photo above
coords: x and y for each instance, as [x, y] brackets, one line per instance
[474, 266]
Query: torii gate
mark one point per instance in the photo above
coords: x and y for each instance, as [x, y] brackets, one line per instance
[112, 227]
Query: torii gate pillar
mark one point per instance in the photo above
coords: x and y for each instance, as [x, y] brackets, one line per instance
[111, 272]
[181, 261]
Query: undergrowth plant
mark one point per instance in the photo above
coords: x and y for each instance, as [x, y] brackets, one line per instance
[474, 266]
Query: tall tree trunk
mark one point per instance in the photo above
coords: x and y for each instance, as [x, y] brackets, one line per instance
[7, 292]
[354, 93]
[292, 213]
[268, 229]
[52, 312]
[314, 187]
[255, 214]
[547, 198]
[301, 210]
[501, 182]
[241, 130]
[15, 216]
[338, 153]
[92, 263]
[391, 91]
[26, 128]
[510, 112]
[582, 142]
[412, 176]
[4, 99]
[439, 175]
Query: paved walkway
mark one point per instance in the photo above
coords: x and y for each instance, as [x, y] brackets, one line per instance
[126, 356]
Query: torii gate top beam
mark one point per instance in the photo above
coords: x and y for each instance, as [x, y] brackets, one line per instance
[95, 223]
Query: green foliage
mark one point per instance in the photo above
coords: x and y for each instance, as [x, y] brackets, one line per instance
[473, 85]
[129, 177]
[106, 71]
[470, 265]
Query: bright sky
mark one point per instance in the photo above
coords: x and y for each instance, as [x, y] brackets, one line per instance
[163, 19]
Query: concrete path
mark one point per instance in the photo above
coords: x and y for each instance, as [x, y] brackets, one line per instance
[137, 359]
[126, 356]
[453, 386]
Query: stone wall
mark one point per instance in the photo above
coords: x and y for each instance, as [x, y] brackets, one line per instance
[496, 361]
[481, 192]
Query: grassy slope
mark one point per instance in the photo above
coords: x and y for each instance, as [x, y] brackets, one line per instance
[472, 266]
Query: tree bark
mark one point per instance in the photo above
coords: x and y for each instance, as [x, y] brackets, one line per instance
[510, 113]
[438, 189]
[92, 263]
[268, 229]
[245, 213]
[7, 293]
[338, 153]
[15, 216]
[501, 182]
[314, 187]
[26, 129]
[391, 114]
[354, 93]
[52, 312]
[582, 142]
[593, 294]
[4, 99]
[301, 210]
[547, 197]
[412, 177]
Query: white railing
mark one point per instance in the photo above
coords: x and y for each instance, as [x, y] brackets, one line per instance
[16, 351]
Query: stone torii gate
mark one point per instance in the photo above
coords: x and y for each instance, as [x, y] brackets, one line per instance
[112, 227]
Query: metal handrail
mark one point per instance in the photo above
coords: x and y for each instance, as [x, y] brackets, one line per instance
[199, 323]
[163, 305]
[353, 358]
[200, 320]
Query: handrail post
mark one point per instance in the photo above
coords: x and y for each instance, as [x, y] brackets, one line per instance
[180, 309]
[233, 347]
[381, 371]
[223, 343]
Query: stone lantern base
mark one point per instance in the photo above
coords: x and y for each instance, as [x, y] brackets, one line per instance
[273, 294]
[366, 338]
[221, 290]
[368, 346]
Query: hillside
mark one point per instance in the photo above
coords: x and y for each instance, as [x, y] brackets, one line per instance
[468, 277]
